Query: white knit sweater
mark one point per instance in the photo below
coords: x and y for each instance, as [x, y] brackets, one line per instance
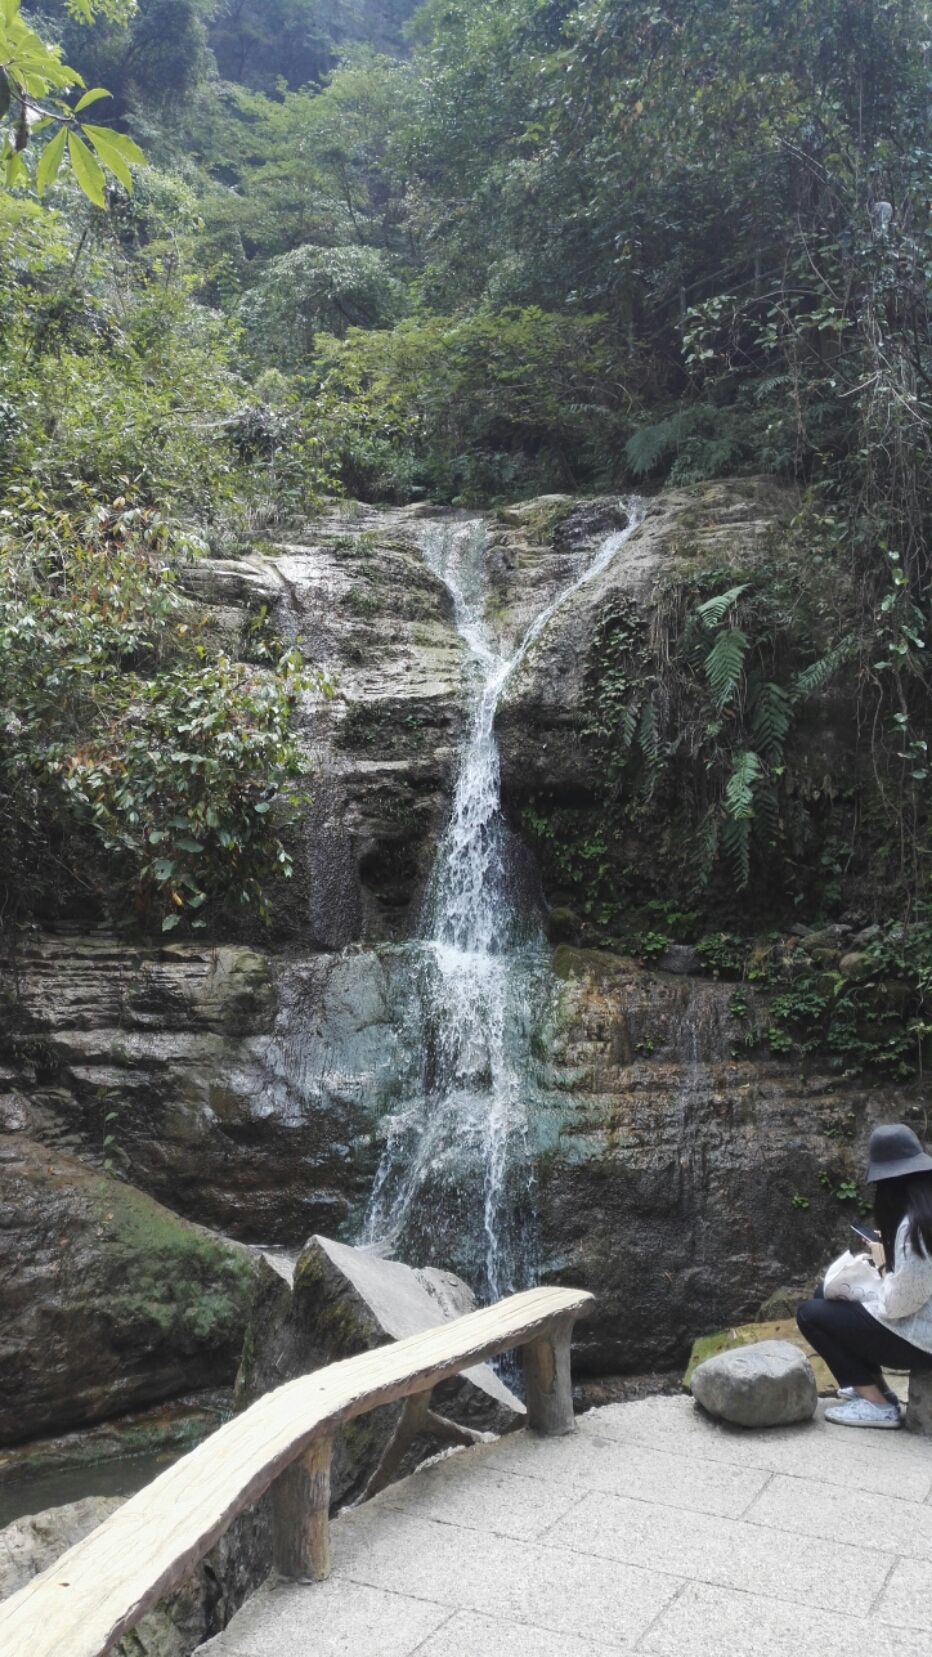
[902, 1300]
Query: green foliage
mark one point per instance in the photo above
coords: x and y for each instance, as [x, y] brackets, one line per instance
[713, 697]
[31, 73]
[467, 408]
[85, 330]
[122, 736]
[722, 954]
[879, 1022]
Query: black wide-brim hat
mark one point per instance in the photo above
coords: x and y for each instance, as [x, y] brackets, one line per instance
[893, 1151]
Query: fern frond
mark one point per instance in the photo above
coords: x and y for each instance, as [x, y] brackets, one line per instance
[766, 811]
[629, 725]
[739, 789]
[771, 716]
[764, 387]
[714, 610]
[648, 736]
[818, 673]
[651, 443]
[725, 663]
[707, 837]
[736, 840]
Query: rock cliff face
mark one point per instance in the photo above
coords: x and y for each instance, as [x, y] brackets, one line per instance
[241, 1084]
[107, 1300]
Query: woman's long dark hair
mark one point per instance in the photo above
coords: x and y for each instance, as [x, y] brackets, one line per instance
[907, 1197]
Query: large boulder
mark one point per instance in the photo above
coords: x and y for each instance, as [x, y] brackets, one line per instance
[335, 1302]
[767, 1385]
[107, 1300]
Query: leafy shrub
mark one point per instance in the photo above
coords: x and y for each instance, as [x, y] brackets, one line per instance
[118, 734]
[472, 406]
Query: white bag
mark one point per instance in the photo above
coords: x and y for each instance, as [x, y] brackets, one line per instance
[851, 1277]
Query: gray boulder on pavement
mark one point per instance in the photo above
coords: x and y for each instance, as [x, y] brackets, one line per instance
[770, 1384]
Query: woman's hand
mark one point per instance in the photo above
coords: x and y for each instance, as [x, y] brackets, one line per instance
[877, 1254]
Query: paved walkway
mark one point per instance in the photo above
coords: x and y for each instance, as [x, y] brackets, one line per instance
[650, 1529]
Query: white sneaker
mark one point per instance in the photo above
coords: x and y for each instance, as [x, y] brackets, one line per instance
[860, 1412]
[852, 1392]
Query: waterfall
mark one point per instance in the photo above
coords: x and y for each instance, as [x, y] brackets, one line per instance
[455, 1180]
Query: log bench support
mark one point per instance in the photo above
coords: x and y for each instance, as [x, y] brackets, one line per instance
[547, 1381]
[416, 1417]
[301, 1515]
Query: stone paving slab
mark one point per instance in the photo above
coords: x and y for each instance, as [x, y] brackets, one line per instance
[652, 1529]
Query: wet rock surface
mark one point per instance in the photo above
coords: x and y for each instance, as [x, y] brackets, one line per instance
[669, 1160]
[544, 710]
[211, 1071]
[115, 1457]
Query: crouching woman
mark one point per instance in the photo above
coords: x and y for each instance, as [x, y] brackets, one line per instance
[876, 1311]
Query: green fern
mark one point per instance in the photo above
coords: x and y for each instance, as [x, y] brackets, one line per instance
[707, 838]
[739, 810]
[713, 612]
[766, 811]
[650, 444]
[739, 789]
[764, 387]
[648, 735]
[771, 716]
[725, 663]
[736, 841]
[818, 673]
[629, 725]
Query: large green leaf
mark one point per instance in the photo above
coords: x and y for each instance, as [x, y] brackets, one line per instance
[118, 142]
[87, 171]
[714, 610]
[109, 154]
[91, 97]
[49, 161]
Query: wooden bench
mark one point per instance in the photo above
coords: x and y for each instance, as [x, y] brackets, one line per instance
[100, 1588]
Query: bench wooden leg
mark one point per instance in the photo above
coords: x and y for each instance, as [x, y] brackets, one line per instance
[416, 1418]
[301, 1515]
[548, 1387]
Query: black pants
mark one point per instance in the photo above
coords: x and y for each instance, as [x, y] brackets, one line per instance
[854, 1345]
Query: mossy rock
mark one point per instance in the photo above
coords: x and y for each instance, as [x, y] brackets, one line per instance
[571, 963]
[112, 1302]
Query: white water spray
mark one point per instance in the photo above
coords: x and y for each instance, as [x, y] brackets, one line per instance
[456, 1158]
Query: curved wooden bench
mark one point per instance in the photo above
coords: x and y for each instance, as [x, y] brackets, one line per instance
[100, 1588]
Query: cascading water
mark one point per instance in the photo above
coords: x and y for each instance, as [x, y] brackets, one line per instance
[455, 1178]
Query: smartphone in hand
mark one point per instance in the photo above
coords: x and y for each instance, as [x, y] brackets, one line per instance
[866, 1231]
